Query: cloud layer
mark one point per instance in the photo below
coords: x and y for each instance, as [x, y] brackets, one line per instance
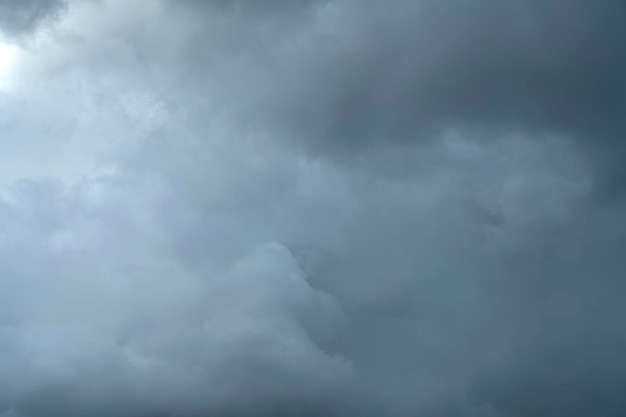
[304, 208]
[18, 17]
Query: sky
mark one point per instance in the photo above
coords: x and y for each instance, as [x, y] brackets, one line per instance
[336, 208]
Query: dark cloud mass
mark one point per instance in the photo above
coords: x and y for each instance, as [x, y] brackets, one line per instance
[313, 208]
[18, 17]
[404, 71]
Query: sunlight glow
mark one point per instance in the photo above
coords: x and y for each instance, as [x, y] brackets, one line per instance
[7, 54]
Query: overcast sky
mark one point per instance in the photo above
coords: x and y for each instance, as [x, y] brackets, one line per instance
[337, 208]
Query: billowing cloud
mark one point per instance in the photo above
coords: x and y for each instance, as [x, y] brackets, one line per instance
[304, 208]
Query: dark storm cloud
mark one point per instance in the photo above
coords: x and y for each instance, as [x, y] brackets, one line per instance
[351, 74]
[204, 261]
[389, 72]
[528, 65]
[19, 17]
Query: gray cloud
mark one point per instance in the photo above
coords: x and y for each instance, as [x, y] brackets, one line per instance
[19, 17]
[315, 208]
[350, 75]
[517, 64]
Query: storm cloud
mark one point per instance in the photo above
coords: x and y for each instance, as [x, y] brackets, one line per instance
[316, 207]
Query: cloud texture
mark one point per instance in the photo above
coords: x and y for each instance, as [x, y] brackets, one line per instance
[313, 208]
[18, 17]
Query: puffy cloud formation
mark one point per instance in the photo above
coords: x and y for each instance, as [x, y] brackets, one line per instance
[313, 207]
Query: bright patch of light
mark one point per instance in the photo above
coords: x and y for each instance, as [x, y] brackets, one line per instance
[7, 54]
